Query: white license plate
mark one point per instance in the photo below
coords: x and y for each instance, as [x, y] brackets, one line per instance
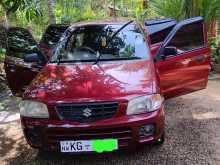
[99, 146]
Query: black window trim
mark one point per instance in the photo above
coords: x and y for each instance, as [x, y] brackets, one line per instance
[173, 33]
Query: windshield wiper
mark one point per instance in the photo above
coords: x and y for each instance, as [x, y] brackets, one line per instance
[113, 36]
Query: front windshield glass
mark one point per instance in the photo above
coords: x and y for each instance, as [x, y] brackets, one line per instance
[87, 43]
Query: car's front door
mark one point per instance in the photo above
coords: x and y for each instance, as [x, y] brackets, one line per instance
[20, 73]
[157, 31]
[183, 61]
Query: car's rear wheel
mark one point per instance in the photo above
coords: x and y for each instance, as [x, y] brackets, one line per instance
[161, 140]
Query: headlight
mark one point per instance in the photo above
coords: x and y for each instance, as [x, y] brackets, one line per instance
[144, 104]
[33, 109]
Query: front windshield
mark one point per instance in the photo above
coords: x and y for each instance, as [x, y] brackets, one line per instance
[87, 43]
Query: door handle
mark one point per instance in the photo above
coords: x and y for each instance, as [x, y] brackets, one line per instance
[184, 62]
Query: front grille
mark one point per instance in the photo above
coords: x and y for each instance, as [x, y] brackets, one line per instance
[122, 134]
[87, 112]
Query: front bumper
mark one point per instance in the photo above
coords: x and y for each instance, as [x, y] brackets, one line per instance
[47, 134]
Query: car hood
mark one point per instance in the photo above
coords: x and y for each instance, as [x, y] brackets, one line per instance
[87, 82]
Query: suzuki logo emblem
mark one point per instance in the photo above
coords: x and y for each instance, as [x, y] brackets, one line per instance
[87, 112]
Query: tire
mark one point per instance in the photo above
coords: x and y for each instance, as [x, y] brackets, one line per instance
[43, 153]
[160, 141]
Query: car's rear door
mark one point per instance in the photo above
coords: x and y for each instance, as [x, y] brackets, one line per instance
[19, 73]
[188, 69]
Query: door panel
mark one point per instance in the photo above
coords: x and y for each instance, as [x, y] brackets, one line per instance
[188, 70]
[19, 73]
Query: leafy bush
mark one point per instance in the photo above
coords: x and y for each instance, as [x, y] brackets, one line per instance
[215, 49]
[2, 54]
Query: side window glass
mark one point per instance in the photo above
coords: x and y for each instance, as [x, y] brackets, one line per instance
[20, 42]
[160, 35]
[187, 38]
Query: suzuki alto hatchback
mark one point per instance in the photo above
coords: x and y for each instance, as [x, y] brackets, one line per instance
[103, 88]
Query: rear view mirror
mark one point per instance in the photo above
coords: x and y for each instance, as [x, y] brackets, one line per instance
[170, 51]
[33, 57]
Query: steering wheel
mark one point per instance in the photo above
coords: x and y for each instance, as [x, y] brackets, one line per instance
[87, 49]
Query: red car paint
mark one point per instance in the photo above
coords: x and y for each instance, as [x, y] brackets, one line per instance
[154, 49]
[110, 81]
[123, 128]
[106, 81]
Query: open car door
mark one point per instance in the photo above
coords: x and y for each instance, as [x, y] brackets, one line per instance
[183, 60]
[157, 31]
[23, 59]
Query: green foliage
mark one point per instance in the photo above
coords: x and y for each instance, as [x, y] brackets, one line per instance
[30, 7]
[69, 11]
[33, 14]
[80, 11]
[142, 14]
[215, 49]
[182, 9]
[169, 8]
[2, 54]
[208, 9]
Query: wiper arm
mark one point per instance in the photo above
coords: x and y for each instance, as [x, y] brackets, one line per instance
[113, 36]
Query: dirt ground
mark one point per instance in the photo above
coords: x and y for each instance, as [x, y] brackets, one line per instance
[192, 135]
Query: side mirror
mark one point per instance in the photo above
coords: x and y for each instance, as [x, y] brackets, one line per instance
[33, 57]
[170, 51]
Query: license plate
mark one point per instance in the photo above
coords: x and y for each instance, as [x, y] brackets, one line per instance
[99, 146]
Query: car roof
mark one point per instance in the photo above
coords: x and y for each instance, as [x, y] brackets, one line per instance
[115, 21]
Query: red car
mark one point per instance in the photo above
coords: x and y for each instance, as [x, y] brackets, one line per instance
[102, 85]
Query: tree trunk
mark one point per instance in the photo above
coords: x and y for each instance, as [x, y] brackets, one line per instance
[145, 4]
[52, 18]
[193, 8]
[5, 21]
[213, 27]
[114, 11]
[106, 6]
